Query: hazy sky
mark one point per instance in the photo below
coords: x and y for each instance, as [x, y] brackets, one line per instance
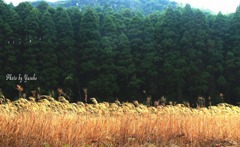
[16, 2]
[225, 6]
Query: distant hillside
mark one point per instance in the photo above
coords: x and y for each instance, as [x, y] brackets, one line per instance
[146, 6]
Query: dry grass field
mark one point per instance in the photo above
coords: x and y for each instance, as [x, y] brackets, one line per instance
[49, 123]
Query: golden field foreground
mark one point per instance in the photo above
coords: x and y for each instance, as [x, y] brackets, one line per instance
[52, 123]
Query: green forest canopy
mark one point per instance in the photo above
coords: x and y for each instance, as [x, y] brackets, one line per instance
[179, 53]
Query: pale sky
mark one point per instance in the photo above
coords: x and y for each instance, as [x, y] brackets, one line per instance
[16, 2]
[225, 6]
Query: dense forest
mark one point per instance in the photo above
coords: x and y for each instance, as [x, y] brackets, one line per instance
[143, 6]
[178, 52]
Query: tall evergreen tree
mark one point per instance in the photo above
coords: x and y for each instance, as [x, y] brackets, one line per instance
[105, 84]
[75, 16]
[233, 56]
[205, 69]
[135, 35]
[8, 62]
[167, 34]
[42, 7]
[148, 68]
[65, 46]
[31, 50]
[127, 81]
[89, 49]
[49, 76]
[23, 9]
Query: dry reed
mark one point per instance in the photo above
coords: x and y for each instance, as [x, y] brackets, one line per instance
[169, 126]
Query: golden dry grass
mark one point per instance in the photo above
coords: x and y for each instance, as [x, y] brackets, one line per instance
[58, 124]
